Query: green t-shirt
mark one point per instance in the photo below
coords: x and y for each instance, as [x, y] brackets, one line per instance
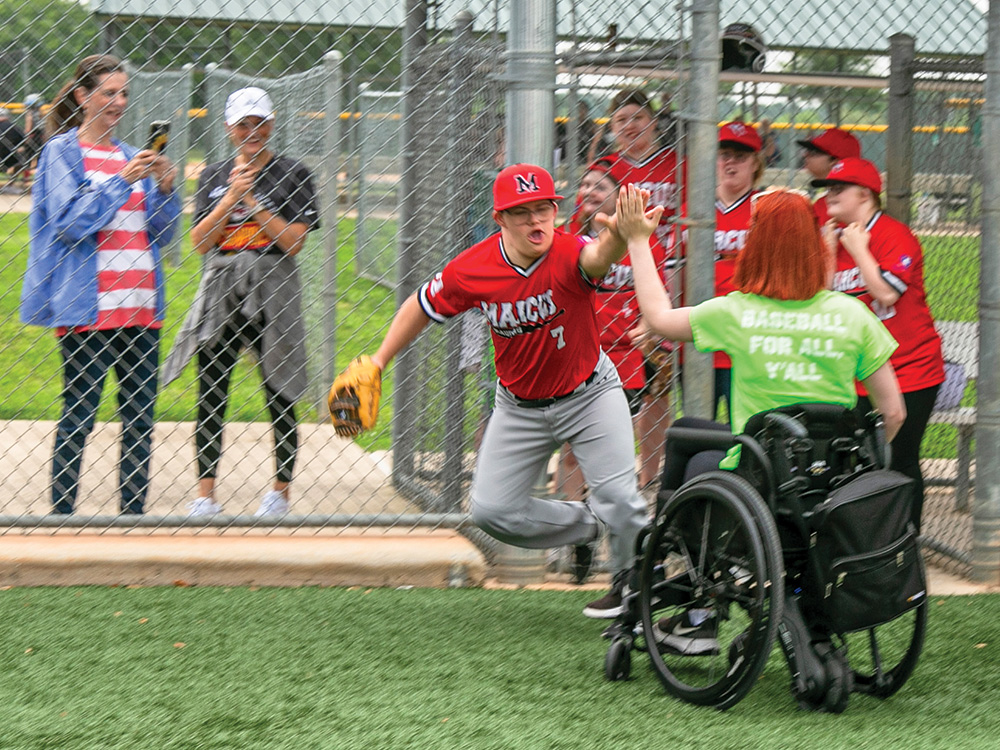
[789, 352]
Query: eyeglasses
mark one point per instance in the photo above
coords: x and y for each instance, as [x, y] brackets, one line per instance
[835, 188]
[523, 214]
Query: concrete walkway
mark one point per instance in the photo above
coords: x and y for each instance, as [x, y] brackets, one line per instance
[333, 477]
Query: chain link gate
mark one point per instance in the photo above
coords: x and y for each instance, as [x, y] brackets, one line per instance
[404, 186]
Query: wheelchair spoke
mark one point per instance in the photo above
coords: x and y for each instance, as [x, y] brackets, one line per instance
[706, 523]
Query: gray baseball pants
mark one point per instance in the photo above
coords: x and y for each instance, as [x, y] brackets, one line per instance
[517, 445]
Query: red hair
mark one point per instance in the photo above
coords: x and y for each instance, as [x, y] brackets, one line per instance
[784, 257]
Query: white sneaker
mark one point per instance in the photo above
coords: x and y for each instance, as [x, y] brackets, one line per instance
[203, 506]
[273, 503]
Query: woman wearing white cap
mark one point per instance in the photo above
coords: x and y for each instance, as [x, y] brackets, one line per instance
[880, 261]
[252, 214]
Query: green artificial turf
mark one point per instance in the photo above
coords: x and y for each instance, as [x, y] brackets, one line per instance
[381, 668]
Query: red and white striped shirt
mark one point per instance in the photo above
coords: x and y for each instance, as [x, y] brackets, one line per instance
[126, 281]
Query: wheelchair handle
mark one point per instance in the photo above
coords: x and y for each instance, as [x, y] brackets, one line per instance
[782, 421]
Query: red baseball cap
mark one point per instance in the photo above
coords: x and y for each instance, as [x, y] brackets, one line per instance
[742, 134]
[522, 183]
[601, 164]
[836, 143]
[853, 171]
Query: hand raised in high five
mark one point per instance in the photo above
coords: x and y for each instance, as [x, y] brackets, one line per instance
[634, 220]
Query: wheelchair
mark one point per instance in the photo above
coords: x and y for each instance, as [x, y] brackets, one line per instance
[808, 542]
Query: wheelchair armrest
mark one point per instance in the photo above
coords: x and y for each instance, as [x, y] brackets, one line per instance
[702, 440]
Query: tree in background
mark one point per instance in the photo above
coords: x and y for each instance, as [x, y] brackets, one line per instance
[40, 43]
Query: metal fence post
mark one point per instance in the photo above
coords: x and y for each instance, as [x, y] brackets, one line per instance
[405, 371]
[182, 151]
[460, 236]
[899, 146]
[360, 130]
[214, 103]
[986, 507]
[329, 195]
[702, 136]
[531, 75]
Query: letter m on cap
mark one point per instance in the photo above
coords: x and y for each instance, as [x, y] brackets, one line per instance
[526, 184]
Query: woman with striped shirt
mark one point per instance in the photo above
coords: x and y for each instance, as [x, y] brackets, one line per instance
[101, 211]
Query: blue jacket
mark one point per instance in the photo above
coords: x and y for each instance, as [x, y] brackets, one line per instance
[60, 285]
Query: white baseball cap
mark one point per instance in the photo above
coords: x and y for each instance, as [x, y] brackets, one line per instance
[248, 102]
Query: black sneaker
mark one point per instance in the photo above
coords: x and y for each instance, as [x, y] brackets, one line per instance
[609, 606]
[583, 561]
[681, 637]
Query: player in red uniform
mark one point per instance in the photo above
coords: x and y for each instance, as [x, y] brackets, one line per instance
[738, 167]
[617, 315]
[821, 152]
[617, 309]
[535, 285]
[880, 262]
[642, 160]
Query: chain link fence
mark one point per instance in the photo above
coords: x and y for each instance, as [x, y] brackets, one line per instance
[401, 114]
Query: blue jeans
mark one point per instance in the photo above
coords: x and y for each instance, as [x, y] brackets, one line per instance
[87, 358]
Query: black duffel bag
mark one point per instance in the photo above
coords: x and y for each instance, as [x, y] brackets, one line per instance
[866, 552]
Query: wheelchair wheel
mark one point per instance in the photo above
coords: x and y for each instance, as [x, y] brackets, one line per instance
[840, 681]
[837, 682]
[618, 660]
[711, 590]
[883, 658]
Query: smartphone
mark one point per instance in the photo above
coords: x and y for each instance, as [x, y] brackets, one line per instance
[159, 134]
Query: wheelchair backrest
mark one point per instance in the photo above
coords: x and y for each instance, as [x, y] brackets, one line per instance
[815, 447]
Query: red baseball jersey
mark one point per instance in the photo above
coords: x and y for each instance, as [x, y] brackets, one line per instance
[541, 318]
[819, 207]
[618, 313]
[918, 361]
[659, 174]
[731, 226]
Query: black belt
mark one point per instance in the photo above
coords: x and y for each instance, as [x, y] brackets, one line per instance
[538, 403]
